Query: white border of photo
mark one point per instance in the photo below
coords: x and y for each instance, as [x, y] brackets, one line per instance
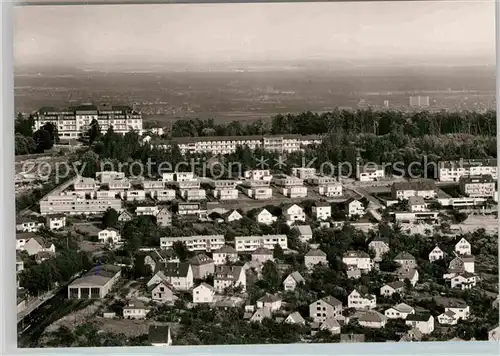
[8, 333]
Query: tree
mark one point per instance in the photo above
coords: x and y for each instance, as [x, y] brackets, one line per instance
[270, 277]
[278, 252]
[52, 130]
[24, 126]
[110, 218]
[141, 269]
[94, 131]
[181, 250]
[43, 140]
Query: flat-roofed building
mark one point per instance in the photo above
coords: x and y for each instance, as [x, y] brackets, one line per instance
[251, 243]
[403, 190]
[151, 210]
[331, 190]
[477, 186]
[304, 172]
[257, 189]
[369, 173]
[258, 174]
[74, 205]
[224, 189]
[451, 171]
[105, 176]
[162, 194]
[193, 194]
[86, 184]
[206, 243]
[134, 195]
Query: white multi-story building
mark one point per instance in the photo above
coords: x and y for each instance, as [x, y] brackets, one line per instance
[153, 184]
[358, 260]
[331, 190]
[405, 190]
[463, 247]
[265, 217]
[119, 184]
[74, 122]
[224, 189]
[258, 189]
[358, 300]
[291, 187]
[147, 210]
[477, 186]
[294, 213]
[85, 184]
[206, 243]
[436, 254]
[162, 194]
[304, 172]
[258, 174]
[193, 194]
[74, 205]
[369, 173]
[251, 243]
[451, 171]
[106, 176]
[322, 210]
[354, 207]
[134, 195]
[417, 204]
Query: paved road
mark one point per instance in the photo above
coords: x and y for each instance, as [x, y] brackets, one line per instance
[34, 304]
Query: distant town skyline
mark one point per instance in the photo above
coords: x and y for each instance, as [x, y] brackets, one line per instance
[459, 32]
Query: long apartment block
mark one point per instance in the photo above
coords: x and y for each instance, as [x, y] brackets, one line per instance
[73, 122]
[251, 243]
[195, 243]
[74, 205]
[220, 145]
[452, 171]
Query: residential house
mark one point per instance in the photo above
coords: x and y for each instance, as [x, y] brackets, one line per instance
[436, 254]
[411, 335]
[55, 221]
[463, 247]
[353, 208]
[229, 276]
[159, 336]
[157, 258]
[163, 293]
[411, 274]
[480, 186]
[261, 314]
[292, 281]
[295, 318]
[22, 238]
[305, 232]
[251, 243]
[400, 311]
[206, 243]
[390, 288]
[331, 325]
[405, 260]
[124, 216]
[26, 224]
[179, 275]
[136, 310]
[463, 281]
[372, 319]
[357, 260]
[38, 244]
[417, 204]
[234, 216]
[404, 190]
[314, 257]
[423, 322]
[359, 300]
[293, 213]
[262, 255]
[369, 172]
[225, 254]
[461, 264]
[325, 308]
[203, 293]
[202, 266]
[146, 210]
[380, 246]
[322, 210]
[164, 217]
[271, 301]
[265, 217]
[96, 283]
[109, 235]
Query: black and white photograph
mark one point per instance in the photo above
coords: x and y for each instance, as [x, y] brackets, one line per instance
[255, 173]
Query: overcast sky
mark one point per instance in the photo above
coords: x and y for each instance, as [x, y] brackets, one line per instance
[236, 32]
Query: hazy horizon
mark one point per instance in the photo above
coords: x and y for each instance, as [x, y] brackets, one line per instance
[452, 33]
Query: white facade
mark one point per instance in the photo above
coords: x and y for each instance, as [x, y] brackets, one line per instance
[73, 205]
[436, 254]
[331, 190]
[294, 213]
[294, 192]
[56, 222]
[251, 243]
[226, 194]
[357, 300]
[195, 243]
[322, 211]
[463, 247]
[265, 217]
[304, 172]
[162, 194]
[203, 293]
[477, 186]
[147, 210]
[234, 216]
[369, 173]
[355, 208]
[259, 193]
[109, 235]
[226, 253]
[400, 311]
[425, 324]
[193, 194]
[133, 195]
[358, 259]
[453, 171]
[256, 174]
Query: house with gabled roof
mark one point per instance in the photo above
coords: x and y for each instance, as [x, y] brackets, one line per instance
[399, 311]
[292, 281]
[293, 213]
[38, 244]
[372, 319]
[262, 255]
[354, 207]
[358, 260]
[406, 260]
[324, 308]
[157, 258]
[159, 336]
[265, 217]
[233, 215]
[464, 280]
[380, 246]
[295, 318]
[360, 300]
[179, 275]
[305, 232]
[423, 322]
[163, 292]
[203, 293]
[164, 217]
[124, 216]
[331, 325]
[136, 309]
[393, 287]
[314, 257]
[436, 254]
[463, 247]
[202, 266]
[229, 276]
[261, 314]
[109, 235]
[27, 224]
[225, 254]
[322, 210]
[408, 274]
[460, 264]
[271, 301]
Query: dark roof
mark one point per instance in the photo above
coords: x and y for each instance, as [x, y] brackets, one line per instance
[262, 251]
[404, 256]
[467, 163]
[227, 272]
[418, 317]
[269, 298]
[200, 259]
[226, 249]
[381, 239]
[158, 334]
[415, 185]
[331, 300]
[485, 178]
[372, 316]
[396, 285]
[316, 252]
[356, 254]
[176, 269]
[26, 235]
[321, 204]
[104, 270]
